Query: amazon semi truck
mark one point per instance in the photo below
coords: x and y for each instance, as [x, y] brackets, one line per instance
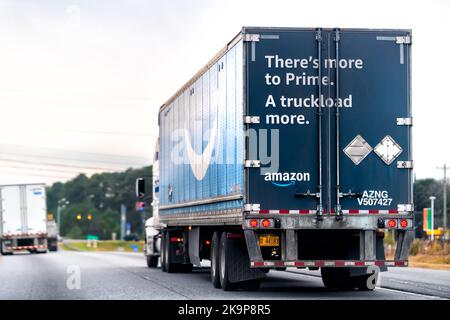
[23, 218]
[291, 148]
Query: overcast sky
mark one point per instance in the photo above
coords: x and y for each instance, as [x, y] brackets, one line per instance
[81, 81]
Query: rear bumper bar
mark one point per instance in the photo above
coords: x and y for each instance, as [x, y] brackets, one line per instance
[328, 263]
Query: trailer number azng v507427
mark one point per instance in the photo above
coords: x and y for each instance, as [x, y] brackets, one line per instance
[375, 197]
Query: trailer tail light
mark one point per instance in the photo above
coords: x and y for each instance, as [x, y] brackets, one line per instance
[253, 223]
[392, 223]
[176, 239]
[404, 223]
[265, 223]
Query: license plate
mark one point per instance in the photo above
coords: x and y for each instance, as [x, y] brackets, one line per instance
[269, 241]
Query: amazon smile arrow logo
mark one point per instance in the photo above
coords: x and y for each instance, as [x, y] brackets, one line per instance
[200, 162]
[290, 183]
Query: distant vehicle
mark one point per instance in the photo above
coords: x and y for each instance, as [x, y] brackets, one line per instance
[52, 235]
[131, 237]
[23, 218]
[290, 148]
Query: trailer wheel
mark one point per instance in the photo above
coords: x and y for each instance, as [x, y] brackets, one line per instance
[186, 267]
[215, 260]
[251, 285]
[224, 263]
[364, 284]
[2, 252]
[152, 261]
[163, 253]
[169, 265]
[337, 278]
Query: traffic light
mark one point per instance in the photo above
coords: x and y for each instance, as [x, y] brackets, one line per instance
[90, 217]
[79, 217]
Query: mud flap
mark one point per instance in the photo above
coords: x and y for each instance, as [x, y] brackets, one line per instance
[239, 262]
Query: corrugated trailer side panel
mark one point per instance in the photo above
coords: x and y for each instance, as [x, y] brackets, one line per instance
[201, 132]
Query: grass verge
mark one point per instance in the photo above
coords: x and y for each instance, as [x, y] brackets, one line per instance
[121, 246]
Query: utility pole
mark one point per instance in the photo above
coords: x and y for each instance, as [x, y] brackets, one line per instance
[432, 217]
[123, 220]
[60, 205]
[444, 210]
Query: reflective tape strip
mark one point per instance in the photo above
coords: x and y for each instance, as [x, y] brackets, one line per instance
[353, 211]
[329, 263]
[284, 211]
[347, 211]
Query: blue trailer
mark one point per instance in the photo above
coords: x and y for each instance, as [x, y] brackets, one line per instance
[292, 147]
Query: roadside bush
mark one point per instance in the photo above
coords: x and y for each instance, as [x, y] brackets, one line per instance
[415, 247]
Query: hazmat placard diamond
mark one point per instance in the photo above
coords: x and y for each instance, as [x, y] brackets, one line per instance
[357, 149]
[388, 150]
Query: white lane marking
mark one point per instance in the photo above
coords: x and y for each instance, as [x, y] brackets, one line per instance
[378, 287]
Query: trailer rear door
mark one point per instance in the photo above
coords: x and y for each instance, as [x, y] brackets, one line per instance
[11, 212]
[286, 139]
[329, 120]
[36, 209]
[379, 169]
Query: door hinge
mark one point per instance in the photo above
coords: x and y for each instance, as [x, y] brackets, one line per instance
[249, 37]
[319, 35]
[252, 207]
[251, 119]
[405, 164]
[403, 40]
[404, 121]
[405, 207]
[252, 163]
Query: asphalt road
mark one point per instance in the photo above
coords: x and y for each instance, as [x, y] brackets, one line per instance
[111, 275]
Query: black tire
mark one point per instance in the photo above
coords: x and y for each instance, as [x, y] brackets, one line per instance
[169, 265]
[337, 278]
[224, 263]
[163, 253]
[363, 283]
[265, 270]
[186, 267]
[215, 260]
[251, 285]
[152, 261]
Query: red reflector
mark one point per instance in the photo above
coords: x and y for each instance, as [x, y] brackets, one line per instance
[265, 223]
[403, 223]
[175, 239]
[392, 223]
[253, 223]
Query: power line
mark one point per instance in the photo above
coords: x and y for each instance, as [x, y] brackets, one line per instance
[69, 131]
[134, 134]
[40, 169]
[35, 174]
[56, 164]
[72, 95]
[73, 151]
[70, 158]
[444, 207]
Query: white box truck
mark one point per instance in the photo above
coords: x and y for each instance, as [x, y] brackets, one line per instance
[23, 218]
